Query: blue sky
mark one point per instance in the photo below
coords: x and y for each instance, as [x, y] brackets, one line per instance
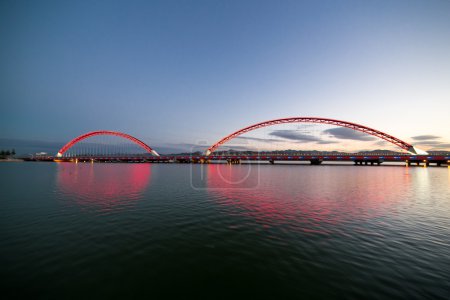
[180, 72]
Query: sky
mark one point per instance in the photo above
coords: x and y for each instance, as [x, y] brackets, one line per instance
[178, 73]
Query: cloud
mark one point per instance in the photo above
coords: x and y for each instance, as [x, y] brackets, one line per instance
[349, 134]
[30, 143]
[425, 137]
[236, 147]
[382, 143]
[441, 147]
[258, 139]
[431, 143]
[23, 146]
[295, 136]
[434, 145]
[178, 148]
[327, 142]
[445, 145]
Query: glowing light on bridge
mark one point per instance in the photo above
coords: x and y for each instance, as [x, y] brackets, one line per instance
[80, 138]
[357, 127]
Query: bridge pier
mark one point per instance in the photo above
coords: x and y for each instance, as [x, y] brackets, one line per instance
[372, 162]
[183, 161]
[233, 161]
[272, 162]
[426, 162]
[316, 162]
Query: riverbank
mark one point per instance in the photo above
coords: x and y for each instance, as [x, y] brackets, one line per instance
[11, 160]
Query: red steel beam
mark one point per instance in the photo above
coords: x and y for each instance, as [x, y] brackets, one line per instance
[106, 132]
[391, 139]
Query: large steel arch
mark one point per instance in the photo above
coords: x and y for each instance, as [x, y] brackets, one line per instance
[105, 132]
[391, 139]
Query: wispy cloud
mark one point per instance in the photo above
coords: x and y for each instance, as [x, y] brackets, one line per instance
[431, 143]
[295, 136]
[327, 142]
[168, 148]
[381, 143]
[425, 137]
[258, 139]
[23, 146]
[349, 134]
[444, 146]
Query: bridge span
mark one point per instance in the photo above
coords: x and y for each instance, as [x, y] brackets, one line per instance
[425, 160]
[410, 154]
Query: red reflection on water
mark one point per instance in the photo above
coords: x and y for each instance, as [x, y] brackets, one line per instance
[312, 198]
[105, 186]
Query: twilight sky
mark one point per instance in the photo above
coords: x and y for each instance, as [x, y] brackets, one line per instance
[176, 73]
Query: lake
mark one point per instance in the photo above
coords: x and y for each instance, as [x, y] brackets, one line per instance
[223, 231]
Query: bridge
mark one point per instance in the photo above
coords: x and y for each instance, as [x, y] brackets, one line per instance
[272, 159]
[409, 153]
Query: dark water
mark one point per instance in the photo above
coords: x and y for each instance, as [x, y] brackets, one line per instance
[219, 231]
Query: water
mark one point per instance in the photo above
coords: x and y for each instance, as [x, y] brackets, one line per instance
[219, 231]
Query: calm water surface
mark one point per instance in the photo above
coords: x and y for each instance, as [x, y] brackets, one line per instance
[219, 231]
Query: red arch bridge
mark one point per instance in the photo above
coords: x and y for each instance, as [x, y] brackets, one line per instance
[409, 155]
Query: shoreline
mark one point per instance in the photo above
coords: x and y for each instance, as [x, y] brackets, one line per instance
[11, 160]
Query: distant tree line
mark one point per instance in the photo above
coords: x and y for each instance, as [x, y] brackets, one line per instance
[4, 153]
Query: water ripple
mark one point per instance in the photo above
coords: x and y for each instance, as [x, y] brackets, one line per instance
[124, 230]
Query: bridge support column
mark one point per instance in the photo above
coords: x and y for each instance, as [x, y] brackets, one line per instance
[316, 162]
[182, 161]
[233, 161]
[272, 162]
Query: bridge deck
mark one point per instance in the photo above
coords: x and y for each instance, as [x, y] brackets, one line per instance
[314, 159]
